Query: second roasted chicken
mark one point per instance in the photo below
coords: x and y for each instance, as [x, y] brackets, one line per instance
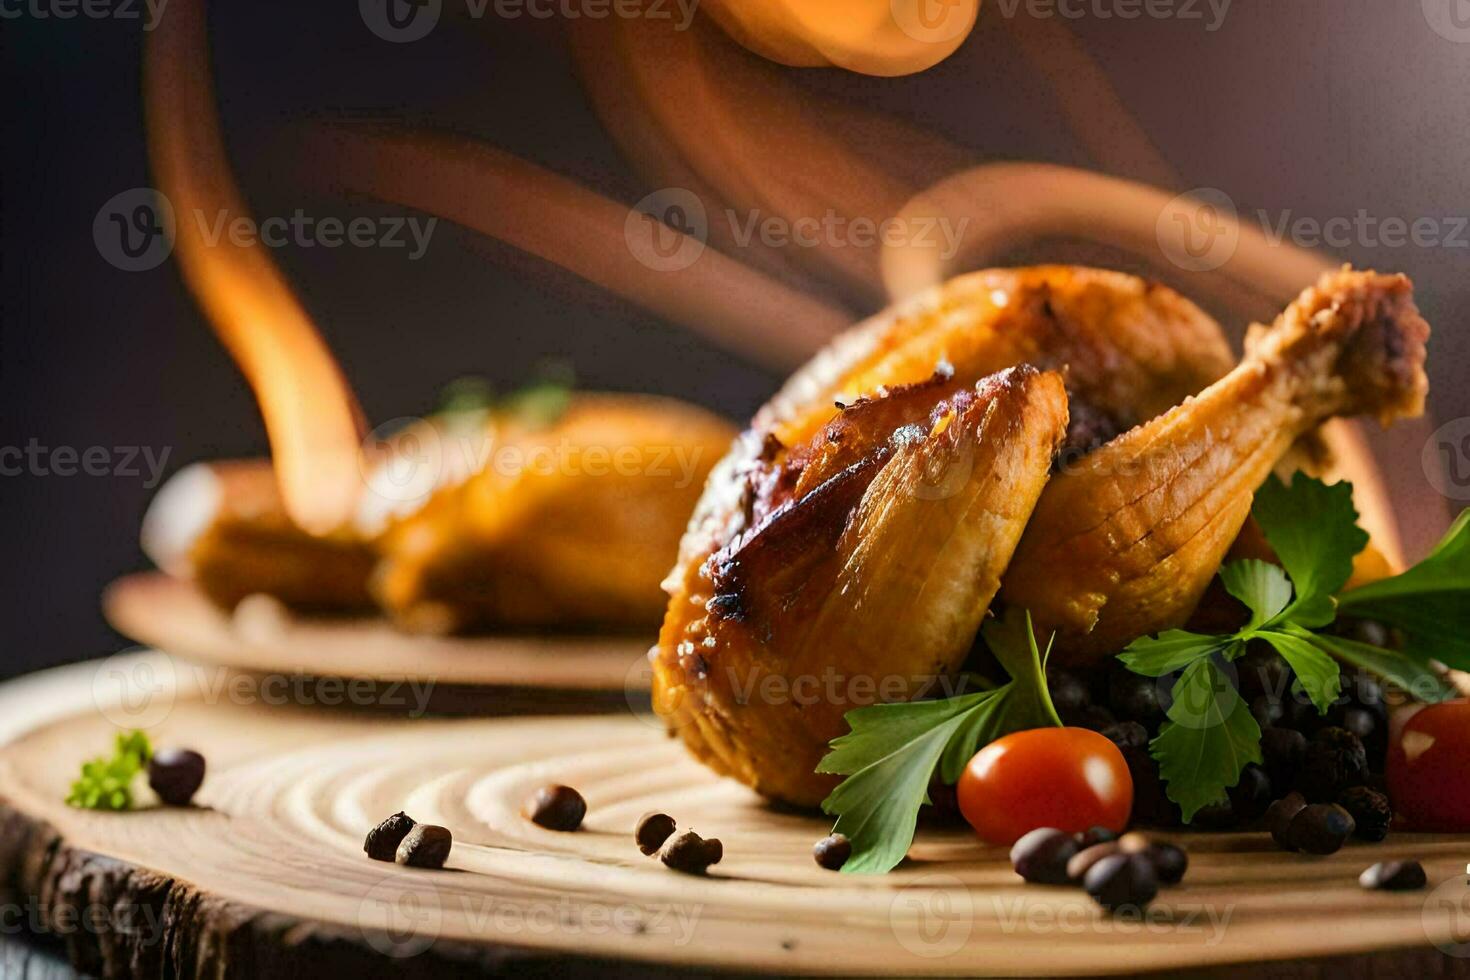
[841, 549]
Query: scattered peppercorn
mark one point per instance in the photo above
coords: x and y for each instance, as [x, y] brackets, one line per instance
[555, 807]
[1081, 862]
[1095, 835]
[383, 840]
[1041, 856]
[1170, 862]
[1122, 881]
[832, 851]
[1250, 796]
[1279, 816]
[1333, 761]
[1267, 710]
[1320, 828]
[1282, 750]
[1134, 697]
[1370, 810]
[653, 829]
[1219, 815]
[175, 775]
[1394, 876]
[425, 846]
[1067, 690]
[691, 854]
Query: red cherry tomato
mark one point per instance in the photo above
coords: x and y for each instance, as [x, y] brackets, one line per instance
[1429, 768]
[1068, 778]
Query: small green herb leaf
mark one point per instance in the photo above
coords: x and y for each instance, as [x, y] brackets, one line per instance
[1169, 651]
[892, 750]
[1208, 739]
[106, 782]
[1313, 528]
[1262, 586]
[1413, 675]
[1430, 602]
[1316, 672]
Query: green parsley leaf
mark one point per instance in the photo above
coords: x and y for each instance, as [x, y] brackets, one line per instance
[1169, 652]
[106, 783]
[1430, 602]
[1262, 586]
[1316, 672]
[1209, 738]
[892, 750]
[1313, 528]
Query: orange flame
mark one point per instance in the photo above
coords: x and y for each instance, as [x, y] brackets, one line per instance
[310, 412]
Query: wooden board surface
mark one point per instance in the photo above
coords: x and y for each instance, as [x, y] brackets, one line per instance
[170, 614]
[273, 855]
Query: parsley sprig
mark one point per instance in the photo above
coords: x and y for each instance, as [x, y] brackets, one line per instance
[892, 750]
[106, 783]
[1210, 735]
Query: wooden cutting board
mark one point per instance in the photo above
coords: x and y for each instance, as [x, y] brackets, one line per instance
[266, 876]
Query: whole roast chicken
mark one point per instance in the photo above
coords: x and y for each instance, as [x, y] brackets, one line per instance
[1079, 441]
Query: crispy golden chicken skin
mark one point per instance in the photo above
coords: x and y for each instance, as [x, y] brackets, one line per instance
[871, 555]
[845, 555]
[1126, 541]
[570, 524]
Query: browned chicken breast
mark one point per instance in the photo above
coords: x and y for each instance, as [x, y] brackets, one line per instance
[1126, 541]
[839, 548]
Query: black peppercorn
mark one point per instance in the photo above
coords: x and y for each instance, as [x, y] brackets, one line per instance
[1219, 815]
[1320, 828]
[832, 851]
[1041, 856]
[175, 775]
[1250, 796]
[1170, 862]
[1095, 835]
[1333, 761]
[1262, 671]
[555, 808]
[1371, 812]
[1068, 692]
[1394, 876]
[652, 830]
[425, 846]
[1122, 881]
[691, 854]
[383, 840]
[1134, 697]
[1282, 750]
[1092, 717]
[1279, 816]
[1081, 862]
[1127, 735]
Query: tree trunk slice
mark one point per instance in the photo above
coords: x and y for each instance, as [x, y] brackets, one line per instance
[170, 614]
[266, 875]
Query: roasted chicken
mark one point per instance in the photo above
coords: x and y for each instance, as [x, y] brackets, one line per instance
[820, 551]
[861, 545]
[1126, 541]
[468, 520]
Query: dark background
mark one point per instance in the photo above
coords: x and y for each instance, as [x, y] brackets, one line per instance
[1318, 106]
